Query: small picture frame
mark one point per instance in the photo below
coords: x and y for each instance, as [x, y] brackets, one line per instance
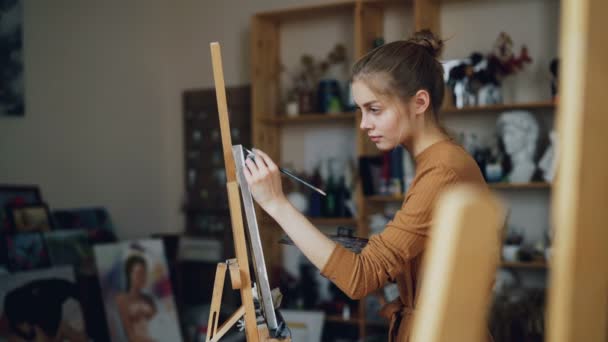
[29, 218]
[95, 221]
[26, 251]
[16, 194]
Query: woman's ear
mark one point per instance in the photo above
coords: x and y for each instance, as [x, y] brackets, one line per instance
[421, 102]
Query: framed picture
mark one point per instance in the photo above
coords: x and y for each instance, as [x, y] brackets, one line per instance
[71, 247]
[137, 291]
[16, 194]
[26, 251]
[29, 218]
[94, 220]
[11, 53]
[41, 305]
[3, 255]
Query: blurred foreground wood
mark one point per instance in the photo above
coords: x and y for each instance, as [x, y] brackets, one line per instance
[459, 268]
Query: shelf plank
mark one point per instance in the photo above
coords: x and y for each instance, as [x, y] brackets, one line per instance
[533, 185]
[339, 319]
[348, 117]
[354, 321]
[307, 11]
[531, 264]
[334, 221]
[321, 221]
[506, 186]
[385, 198]
[499, 107]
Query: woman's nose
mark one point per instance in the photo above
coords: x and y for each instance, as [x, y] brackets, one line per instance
[365, 124]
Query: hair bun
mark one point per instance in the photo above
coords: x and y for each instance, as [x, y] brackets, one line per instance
[429, 41]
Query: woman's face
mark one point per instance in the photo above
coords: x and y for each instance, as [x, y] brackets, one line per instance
[138, 276]
[386, 124]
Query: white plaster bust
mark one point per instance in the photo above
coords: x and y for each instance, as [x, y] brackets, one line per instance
[519, 132]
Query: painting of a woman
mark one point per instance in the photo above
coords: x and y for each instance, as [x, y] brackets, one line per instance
[135, 307]
[137, 292]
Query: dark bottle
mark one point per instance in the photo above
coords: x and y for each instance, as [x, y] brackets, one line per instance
[330, 199]
[315, 202]
[341, 193]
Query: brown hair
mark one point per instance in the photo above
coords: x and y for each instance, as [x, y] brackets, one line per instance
[406, 66]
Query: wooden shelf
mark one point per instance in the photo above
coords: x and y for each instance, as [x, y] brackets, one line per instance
[499, 108]
[322, 221]
[339, 319]
[530, 264]
[385, 198]
[506, 186]
[307, 11]
[534, 185]
[334, 221]
[348, 117]
[353, 321]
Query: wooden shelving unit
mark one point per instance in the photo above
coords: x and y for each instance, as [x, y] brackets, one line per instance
[269, 120]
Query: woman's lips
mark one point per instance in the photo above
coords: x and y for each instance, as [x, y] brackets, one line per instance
[375, 138]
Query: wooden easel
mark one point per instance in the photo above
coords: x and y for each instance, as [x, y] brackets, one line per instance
[239, 266]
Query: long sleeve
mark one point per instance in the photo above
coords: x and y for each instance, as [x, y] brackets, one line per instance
[402, 240]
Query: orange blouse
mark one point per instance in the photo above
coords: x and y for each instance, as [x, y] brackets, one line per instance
[396, 254]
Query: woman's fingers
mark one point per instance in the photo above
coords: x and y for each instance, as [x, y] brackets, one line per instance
[259, 162]
[267, 160]
[252, 166]
[258, 168]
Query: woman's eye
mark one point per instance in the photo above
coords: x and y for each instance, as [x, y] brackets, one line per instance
[374, 110]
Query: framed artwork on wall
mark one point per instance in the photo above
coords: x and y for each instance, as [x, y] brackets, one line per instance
[16, 195]
[26, 251]
[12, 89]
[29, 218]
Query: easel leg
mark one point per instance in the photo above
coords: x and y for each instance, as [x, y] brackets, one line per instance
[216, 300]
[240, 248]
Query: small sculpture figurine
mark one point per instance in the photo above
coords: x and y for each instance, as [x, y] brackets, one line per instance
[477, 79]
[519, 133]
[547, 162]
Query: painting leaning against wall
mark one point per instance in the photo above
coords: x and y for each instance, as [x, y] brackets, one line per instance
[11, 58]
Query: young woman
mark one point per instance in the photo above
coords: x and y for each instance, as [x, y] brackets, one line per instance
[398, 88]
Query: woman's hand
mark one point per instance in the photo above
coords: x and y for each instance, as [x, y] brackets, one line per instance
[264, 179]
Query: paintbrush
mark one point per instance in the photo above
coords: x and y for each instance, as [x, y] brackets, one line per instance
[284, 171]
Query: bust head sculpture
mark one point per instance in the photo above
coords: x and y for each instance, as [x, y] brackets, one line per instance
[519, 132]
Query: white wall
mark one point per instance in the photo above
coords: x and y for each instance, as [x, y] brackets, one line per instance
[104, 82]
[103, 96]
